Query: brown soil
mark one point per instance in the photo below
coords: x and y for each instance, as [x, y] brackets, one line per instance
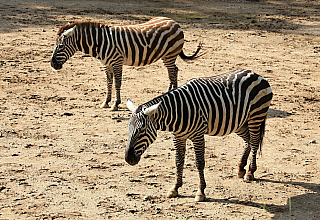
[63, 157]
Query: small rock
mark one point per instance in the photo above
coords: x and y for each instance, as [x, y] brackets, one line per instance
[68, 114]
[147, 198]
[2, 188]
[311, 142]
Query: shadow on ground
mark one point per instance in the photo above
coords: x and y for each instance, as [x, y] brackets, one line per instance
[274, 16]
[297, 204]
[273, 113]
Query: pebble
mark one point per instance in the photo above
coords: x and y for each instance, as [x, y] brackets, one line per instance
[311, 142]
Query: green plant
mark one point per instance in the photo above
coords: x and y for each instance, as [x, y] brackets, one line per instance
[264, 206]
[290, 207]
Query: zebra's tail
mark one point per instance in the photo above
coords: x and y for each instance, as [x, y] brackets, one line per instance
[192, 57]
[262, 131]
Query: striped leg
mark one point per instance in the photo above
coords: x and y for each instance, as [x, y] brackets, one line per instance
[253, 164]
[109, 74]
[172, 73]
[256, 129]
[199, 148]
[254, 143]
[117, 70]
[180, 146]
[245, 135]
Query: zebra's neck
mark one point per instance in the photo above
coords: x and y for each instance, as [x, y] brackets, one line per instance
[96, 40]
[165, 118]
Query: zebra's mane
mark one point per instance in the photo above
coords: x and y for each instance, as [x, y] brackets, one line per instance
[81, 25]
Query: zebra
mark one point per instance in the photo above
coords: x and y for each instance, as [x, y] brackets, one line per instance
[234, 102]
[115, 46]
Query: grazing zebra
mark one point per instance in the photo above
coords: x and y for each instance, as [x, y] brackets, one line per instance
[237, 102]
[115, 46]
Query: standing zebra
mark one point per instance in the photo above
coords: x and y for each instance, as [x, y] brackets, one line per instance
[133, 45]
[237, 102]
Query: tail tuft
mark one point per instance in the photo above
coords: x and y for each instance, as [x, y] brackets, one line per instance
[194, 56]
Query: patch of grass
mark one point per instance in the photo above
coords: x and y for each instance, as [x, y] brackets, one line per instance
[290, 207]
[264, 205]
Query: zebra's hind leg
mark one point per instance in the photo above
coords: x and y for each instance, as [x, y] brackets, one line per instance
[180, 146]
[245, 135]
[199, 148]
[109, 74]
[256, 136]
[172, 72]
[117, 70]
[253, 165]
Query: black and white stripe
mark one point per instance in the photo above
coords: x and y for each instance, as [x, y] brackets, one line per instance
[115, 46]
[235, 102]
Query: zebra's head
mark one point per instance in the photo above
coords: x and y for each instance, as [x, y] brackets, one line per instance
[65, 46]
[142, 131]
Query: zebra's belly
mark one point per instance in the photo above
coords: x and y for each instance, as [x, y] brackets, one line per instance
[149, 55]
[220, 132]
[143, 62]
[225, 127]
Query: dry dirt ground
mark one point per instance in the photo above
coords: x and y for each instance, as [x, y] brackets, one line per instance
[62, 157]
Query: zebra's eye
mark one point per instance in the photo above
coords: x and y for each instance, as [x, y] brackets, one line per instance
[60, 43]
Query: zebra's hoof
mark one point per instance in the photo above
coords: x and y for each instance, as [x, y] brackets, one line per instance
[248, 178]
[200, 198]
[172, 193]
[104, 105]
[241, 173]
[114, 108]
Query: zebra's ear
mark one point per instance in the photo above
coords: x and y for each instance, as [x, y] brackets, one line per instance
[68, 32]
[130, 105]
[152, 109]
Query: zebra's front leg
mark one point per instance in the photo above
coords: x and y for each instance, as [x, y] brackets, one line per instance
[109, 74]
[117, 70]
[199, 148]
[180, 147]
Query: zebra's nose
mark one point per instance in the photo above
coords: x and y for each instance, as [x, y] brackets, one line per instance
[130, 157]
[55, 64]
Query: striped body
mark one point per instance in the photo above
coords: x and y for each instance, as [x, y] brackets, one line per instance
[115, 46]
[235, 102]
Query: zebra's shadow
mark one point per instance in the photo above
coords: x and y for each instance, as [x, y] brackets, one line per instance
[273, 113]
[305, 203]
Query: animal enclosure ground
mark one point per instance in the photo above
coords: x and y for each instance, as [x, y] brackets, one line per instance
[62, 157]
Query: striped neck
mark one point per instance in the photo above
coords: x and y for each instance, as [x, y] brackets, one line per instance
[93, 39]
[160, 117]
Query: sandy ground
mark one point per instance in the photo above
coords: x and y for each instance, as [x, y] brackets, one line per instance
[62, 157]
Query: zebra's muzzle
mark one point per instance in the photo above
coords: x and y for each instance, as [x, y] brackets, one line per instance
[55, 64]
[131, 157]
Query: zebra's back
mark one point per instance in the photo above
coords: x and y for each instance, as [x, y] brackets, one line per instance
[146, 43]
[222, 103]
